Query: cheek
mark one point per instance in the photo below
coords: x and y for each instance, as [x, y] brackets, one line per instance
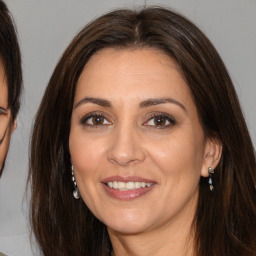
[86, 153]
[87, 157]
[180, 156]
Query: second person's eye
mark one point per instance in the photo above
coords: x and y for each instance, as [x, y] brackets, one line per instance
[3, 111]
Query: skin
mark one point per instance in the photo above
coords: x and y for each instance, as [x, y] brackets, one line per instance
[127, 143]
[6, 124]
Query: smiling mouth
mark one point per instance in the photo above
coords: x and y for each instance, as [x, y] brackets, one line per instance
[126, 186]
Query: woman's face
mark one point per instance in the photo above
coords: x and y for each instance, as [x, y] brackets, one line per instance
[5, 118]
[136, 143]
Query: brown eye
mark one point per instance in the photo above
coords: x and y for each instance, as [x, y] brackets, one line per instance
[160, 121]
[95, 120]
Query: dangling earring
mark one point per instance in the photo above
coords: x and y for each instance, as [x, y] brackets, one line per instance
[76, 193]
[211, 172]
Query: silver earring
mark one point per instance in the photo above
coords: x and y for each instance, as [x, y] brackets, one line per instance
[211, 172]
[76, 193]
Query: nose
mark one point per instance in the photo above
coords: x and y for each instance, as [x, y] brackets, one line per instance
[126, 148]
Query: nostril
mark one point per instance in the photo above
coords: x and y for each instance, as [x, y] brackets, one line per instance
[125, 148]
[125, 162]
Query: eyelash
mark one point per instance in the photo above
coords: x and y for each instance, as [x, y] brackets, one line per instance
[85, 119]
[165, 117]
[161, 116]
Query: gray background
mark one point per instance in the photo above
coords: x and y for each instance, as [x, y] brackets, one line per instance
[46, 27]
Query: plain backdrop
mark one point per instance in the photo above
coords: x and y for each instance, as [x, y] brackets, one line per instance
[45, 29]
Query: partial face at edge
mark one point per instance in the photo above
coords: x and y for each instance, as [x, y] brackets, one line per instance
[134, 124]
[6, 125]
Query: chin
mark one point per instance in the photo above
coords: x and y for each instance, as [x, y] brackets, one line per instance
[126, 229]
[131, 224]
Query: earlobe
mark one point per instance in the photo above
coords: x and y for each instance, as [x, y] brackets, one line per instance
[212, 155]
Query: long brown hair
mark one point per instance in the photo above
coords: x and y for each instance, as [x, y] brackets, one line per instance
[225, 221]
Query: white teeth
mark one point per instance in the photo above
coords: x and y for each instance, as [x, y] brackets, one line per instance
[121, 185]
[115, 184]
[137, 185]
[124, 186]
[130, 185]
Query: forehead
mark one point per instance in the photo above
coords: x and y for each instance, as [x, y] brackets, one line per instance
[137, 71]
[136, 61]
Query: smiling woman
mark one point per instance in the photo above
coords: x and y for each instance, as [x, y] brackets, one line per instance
[140, 146]
[141, 137]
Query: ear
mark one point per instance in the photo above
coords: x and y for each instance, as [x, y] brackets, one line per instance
[14, 124]
[212, 155]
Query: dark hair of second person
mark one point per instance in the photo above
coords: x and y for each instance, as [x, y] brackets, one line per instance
[11, 80]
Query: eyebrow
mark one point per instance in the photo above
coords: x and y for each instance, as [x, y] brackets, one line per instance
[98, 101]
[144, 104]
[153, 102]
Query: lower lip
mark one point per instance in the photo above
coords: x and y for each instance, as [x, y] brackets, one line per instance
[128, 194]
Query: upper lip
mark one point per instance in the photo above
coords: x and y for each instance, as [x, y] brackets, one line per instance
[127, 179]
